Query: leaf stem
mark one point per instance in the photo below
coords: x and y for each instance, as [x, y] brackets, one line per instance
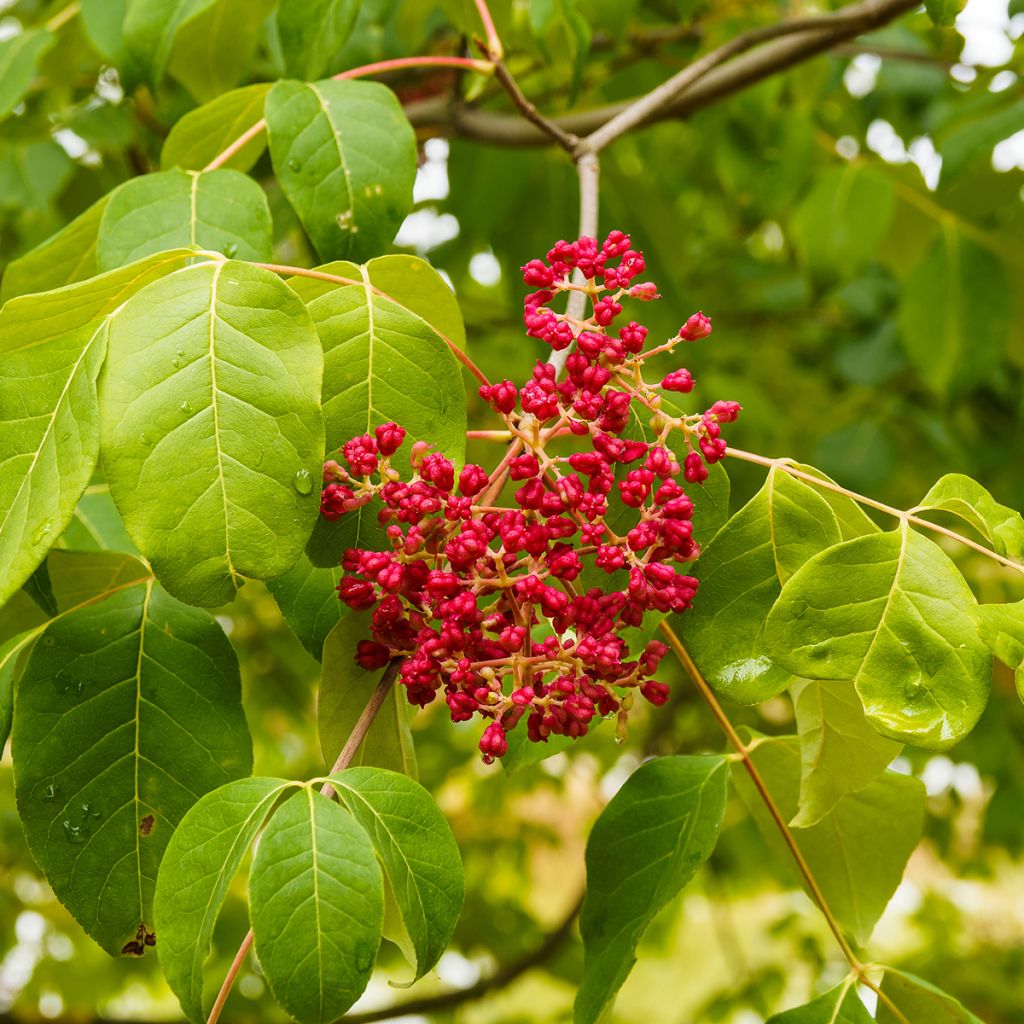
[908, 517]
[495, 50]
[743, 752]
[358, 734]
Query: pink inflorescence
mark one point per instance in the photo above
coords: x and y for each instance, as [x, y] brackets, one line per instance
[498, 605]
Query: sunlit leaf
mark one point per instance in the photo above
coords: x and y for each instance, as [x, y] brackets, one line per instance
[207, 131]
[1003, 527]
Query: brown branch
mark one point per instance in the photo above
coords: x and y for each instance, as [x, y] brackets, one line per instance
[565, 139]
[806, 39]
[501, 978]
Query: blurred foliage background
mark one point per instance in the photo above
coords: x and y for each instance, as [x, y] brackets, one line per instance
[855, 228]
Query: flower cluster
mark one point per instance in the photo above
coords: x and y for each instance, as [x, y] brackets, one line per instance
[511, 592]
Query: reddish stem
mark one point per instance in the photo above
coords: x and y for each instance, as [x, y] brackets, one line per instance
[485, 67]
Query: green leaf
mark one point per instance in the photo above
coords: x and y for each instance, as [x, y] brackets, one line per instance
[213, 381]
[97, 525]
[345, 689]
[892, 613]
[919, 1000]
[200, 861]
[207, 131]
[150, 28]
[19, 56]
[213, 51]
[345, 156]
[11, 651]
[741, 572]
[316, 899]
[308, 599]
[129, 710]
[840, 1005]
[978, 136]
[1001, 627]
[64, 258]
[32, 175]
[39, 588]
[80, 578]
[840, 752]
[856, 852]
[943, 12]
[1002, 527]
[49, 431]
[643, 849]
[853, 520]
[843, 220]
[407, 281]
[955, 315]
[103, 21]
[220, 210]
[312, 33]
[382, 363]
[417, 850]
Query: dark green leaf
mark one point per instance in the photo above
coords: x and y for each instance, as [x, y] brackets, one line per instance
[943, 12]
[150, 28]
[644, 848]
[316, 898]
[892, 613]
[201, 859]
[39, 588]
[345, 156]
[312, 33]
[956, 314]
[308, 599]
[417, 850]
[129, 710]
[213, 381]
[11, 651]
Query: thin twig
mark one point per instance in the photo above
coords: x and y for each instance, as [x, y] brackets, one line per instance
[439, 115]
[863, 499]
[772, 807]
[565, 139]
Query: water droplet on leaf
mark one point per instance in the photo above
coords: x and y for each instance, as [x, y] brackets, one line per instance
[185, 408]
[230, 250]
[73, 833]
[294, 164]
[303, 481]
[50, 791]
[41, 531]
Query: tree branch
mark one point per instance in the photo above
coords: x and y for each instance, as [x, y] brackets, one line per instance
[803, 39]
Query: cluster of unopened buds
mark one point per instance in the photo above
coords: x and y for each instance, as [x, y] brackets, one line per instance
[510, 591]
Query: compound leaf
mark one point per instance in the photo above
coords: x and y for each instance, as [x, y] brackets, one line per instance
[201, 859]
